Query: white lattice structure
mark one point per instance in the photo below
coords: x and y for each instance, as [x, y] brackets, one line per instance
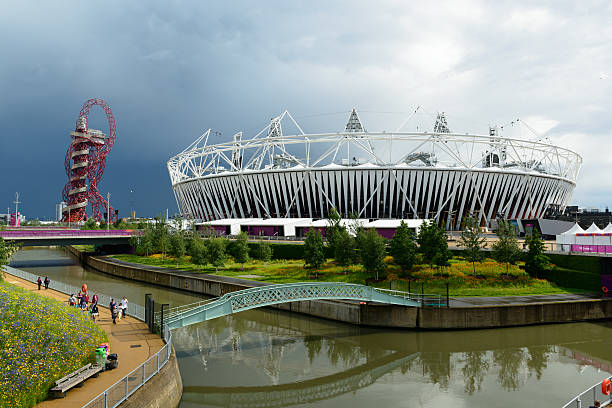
[423, 175]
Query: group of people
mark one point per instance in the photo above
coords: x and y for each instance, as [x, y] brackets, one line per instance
[82, 301]
[118, 311]
[39, 281]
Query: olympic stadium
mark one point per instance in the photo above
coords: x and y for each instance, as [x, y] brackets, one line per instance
[434, 174]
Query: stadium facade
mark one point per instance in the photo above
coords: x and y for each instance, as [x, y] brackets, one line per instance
[376, 175]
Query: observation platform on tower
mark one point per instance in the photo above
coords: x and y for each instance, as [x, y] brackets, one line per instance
[50, 237]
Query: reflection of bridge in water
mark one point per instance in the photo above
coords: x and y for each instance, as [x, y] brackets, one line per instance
[299, 392]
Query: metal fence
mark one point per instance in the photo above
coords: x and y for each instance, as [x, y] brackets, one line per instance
[126, 386]
[588, 397]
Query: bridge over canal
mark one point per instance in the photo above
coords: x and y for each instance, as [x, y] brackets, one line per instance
[58, 237]
[252, 298]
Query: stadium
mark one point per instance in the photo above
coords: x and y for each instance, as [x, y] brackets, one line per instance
[436, 175]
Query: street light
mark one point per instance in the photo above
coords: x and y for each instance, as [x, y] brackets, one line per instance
[107, 211]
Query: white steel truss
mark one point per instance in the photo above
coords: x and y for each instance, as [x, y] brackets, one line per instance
[435, 175]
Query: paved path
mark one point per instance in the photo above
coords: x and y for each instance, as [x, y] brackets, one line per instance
[129, 338]
[454, 301]
[515, 300]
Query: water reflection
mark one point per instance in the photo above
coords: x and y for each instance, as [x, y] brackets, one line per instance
[267, 359]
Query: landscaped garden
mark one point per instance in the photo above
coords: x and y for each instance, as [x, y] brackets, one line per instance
[407, 262]
[41, 340]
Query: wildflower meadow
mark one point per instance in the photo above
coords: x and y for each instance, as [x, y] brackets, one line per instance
[41, 340]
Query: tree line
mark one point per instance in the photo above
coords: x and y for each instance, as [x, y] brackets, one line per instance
[349, 245]
[204, 247]
[352, 244]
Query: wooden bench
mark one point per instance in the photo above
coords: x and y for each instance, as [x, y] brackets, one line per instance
[75, 379]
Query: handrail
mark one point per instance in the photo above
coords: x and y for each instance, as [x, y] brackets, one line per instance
[66, 233]
[126, 386]
[587, 397]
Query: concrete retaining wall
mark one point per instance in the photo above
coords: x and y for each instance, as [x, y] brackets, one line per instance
[476, 317]
[163, 390]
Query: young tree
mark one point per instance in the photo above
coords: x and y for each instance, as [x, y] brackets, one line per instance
[472, 242]
[432, 240]
[344, 253]
[314, 254]
[442, 258]
[147, 246]
[333, 229]
[506, 249]
[535, 262]
[264, 252]
[354, 225]
[198, 251]
[177, 246]
[372, 252]
[216, 251]
[403, 247]
[160, 236]
[241, 249]
[144, 242]
[177, 222]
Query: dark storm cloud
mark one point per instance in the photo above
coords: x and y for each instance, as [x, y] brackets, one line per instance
[172, 69]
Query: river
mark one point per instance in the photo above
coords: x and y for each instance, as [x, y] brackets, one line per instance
[270, 358]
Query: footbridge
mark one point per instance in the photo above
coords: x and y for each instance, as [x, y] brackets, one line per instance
[50, 237]
[252, 298]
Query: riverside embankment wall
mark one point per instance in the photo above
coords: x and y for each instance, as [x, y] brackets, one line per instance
[430, 318]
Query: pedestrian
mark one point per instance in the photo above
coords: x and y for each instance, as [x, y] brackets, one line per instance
[124, 306]
[596, 404]
[47, 281]
[95, 298]
[113, 309]
[94, 311]
[39, 281]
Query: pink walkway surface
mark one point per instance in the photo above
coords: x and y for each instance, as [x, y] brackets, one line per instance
[66, 233]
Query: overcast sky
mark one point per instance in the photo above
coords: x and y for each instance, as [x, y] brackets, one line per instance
[172, 69]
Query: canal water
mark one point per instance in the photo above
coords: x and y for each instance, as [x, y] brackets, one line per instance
[268, 358]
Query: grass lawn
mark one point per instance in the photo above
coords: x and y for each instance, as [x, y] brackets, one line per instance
[491, 278]
[84, 248]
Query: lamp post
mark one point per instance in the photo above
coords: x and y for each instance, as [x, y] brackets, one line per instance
[107, 211]
[68, 217]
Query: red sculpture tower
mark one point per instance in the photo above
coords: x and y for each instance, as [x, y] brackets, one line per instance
[85, 161]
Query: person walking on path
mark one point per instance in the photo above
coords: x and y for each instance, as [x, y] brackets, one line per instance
[94, 311]
[95, 299]
[124, 306]
[39, 281]
[47, 282]
[113, 309]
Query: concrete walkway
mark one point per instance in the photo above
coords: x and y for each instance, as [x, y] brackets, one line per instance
[129, 338]
[517, 300]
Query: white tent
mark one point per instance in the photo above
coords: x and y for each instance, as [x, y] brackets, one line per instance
[567, 238]
[593, 229]
[608, 228]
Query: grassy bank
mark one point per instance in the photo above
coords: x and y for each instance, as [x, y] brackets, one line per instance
[490, 278]
[41, 340]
